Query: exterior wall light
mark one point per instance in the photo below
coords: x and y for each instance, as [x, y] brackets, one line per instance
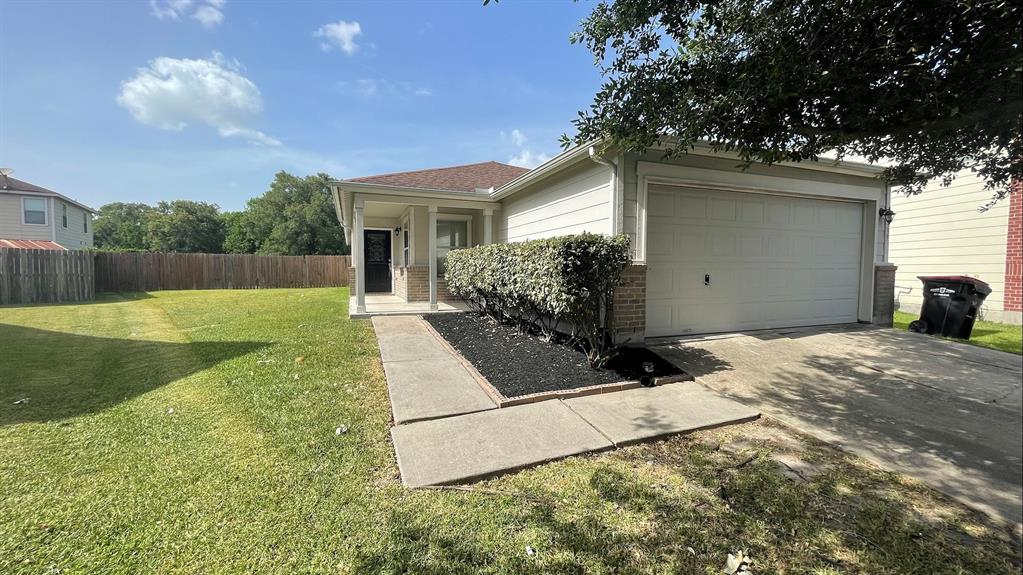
[887, 214]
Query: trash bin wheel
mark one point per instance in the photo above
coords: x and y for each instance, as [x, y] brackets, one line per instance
[918, 326]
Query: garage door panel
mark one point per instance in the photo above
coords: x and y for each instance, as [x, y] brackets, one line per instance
[774, 261]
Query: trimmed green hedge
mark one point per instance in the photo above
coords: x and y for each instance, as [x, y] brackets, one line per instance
[544, 284]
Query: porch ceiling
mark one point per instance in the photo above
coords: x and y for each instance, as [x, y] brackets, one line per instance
[384, 210]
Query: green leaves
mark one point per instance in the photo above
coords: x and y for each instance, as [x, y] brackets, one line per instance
[934, 88]
[567, 281]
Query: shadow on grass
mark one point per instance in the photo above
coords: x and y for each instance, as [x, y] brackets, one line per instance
[48, 375]
[844, 520]
[103, 297]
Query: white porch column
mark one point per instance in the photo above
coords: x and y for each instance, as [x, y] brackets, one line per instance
[360, 258]
[431, 219]
[488, 226]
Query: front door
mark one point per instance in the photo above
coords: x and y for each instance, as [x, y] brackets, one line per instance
[378, 260]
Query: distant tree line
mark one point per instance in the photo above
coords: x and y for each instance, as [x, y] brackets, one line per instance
[294, 217]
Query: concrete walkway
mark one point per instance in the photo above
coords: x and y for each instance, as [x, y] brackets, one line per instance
[448, 430]
[424, 380]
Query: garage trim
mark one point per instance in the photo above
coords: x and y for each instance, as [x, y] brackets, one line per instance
[688, 177]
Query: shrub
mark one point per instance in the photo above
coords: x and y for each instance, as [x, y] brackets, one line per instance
[546, 285]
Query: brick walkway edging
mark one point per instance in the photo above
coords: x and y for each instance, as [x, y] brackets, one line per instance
[502, 401]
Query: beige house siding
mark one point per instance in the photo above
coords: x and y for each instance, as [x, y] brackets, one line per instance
[575, 201]
[941, 232]
[73, 237]
[11, 226]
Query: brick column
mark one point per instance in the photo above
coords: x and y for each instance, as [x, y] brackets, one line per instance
[884, 294]
[1013, 298]
[630, 306]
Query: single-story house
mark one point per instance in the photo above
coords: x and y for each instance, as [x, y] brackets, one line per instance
[943, 232]
[33, 216]
[716, 248]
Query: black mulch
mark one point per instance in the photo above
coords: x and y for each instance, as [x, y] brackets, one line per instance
[522, 364]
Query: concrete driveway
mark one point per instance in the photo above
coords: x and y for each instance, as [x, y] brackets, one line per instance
[946, 413]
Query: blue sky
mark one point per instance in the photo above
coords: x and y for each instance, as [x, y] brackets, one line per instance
[207, 99]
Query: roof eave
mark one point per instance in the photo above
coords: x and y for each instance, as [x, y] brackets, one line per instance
[552, 166]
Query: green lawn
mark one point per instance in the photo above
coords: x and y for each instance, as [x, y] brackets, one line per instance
[194, 432]
[1000, 336]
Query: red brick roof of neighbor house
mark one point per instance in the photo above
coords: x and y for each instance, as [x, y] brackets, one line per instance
[465, 178]
[31, 244]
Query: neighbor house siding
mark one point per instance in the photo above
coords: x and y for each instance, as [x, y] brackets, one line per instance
[572, 202]
[943, 232]
[11, 226]
[72, 237]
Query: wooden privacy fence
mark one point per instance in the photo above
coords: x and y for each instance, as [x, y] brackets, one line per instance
[45, 276]
[140, 271]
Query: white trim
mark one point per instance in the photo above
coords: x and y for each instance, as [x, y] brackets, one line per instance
[413, 192]
[62, 197]
[552, 166]
[406, 228]
[46, 216]
[431, 237]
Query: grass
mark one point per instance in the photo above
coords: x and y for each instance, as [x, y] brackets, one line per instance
[1000, 336]
[195, 432]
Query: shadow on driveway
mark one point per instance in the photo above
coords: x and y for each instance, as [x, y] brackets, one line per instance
[946, 413]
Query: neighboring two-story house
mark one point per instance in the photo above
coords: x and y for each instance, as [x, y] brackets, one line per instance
[35, 217]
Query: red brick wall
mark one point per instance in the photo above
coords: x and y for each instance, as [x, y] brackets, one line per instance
[1013, 299]
[630, 305]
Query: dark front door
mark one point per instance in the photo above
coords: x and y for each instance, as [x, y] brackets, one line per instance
[378, 260]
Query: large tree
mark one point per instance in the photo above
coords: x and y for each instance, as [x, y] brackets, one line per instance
[931, 86]
[294, 217]
[186, 226]
[122, 226]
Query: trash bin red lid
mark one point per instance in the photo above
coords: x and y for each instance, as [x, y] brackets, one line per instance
[960, 279]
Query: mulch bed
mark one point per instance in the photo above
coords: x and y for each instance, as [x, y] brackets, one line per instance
[522, 364]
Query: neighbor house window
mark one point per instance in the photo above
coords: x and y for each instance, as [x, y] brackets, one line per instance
[85, 222]
[63, 214]
[34, 211]
[451, 235]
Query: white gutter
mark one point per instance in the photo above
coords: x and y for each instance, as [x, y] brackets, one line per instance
[613, 199]
[556, 163]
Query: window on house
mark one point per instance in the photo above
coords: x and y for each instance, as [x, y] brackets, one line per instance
[85, 222]
[451, 235]
[34, 211]
[405, 243]
[63, 214]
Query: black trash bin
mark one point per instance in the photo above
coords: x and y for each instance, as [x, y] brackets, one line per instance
[950, 305]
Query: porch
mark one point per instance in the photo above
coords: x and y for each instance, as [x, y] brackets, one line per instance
[390, 304]
[399, 241]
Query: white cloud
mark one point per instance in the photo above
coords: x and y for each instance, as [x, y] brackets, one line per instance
[371, 87]
[515, 136]
[527, 158]
[169, 9]
[209, 16]
[209, 13]
[171, 93]
[339, 35]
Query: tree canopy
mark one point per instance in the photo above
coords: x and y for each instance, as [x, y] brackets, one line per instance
[294, 217]
[932, 87]
[186, 226]
[122, 226]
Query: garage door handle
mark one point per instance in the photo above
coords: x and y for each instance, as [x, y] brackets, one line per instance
[706, 279]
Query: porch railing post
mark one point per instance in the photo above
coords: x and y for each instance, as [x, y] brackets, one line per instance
[431, 219]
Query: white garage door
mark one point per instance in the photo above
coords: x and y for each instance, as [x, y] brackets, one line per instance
[728, 261]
